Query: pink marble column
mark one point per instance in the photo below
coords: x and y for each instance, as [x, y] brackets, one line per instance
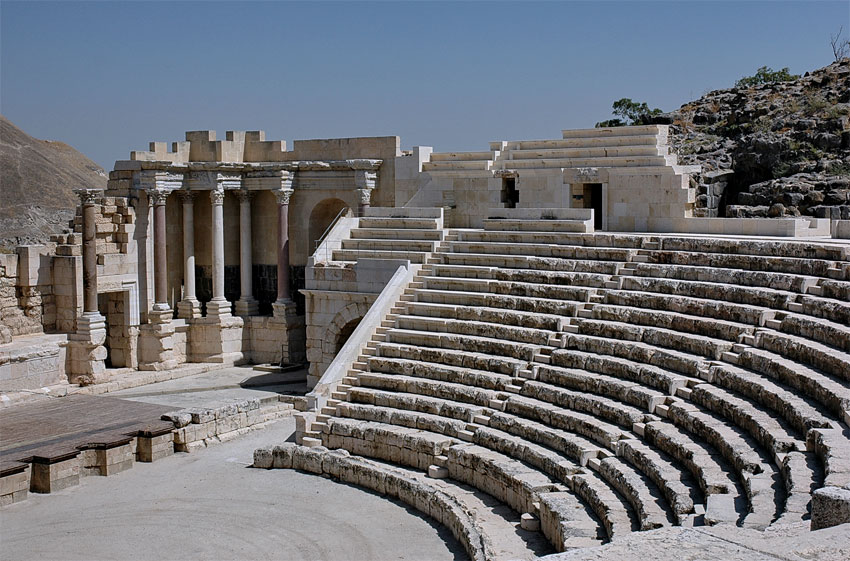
[158, 199]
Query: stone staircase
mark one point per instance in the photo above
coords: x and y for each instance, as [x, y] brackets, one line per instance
[387, 233]
[602, 384]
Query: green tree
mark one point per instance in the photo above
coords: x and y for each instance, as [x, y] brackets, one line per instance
[766, 75]
[629, 112]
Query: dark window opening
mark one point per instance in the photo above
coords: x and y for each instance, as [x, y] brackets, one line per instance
[510, 195]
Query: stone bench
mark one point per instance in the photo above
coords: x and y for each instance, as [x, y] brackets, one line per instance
[547, 306]
[439, 389]
[645, 374]
[392, 481]
[832, 310]
[796, 410]
[763, 279]
[716, 309]
[410, 402]
[760, 297]
[604, 408]
[687, 343]
[749, 416]
[482, 329]
[565, 522]
[369, 244]
[589, 426]
[524, 351]
[771, 248]
[805, 351]
[392, 416]
[712, 472]
[545, 250]
[840, 290]
[675, 484]
[641, 494]
[432, 370]
[581, 278]
[811, 383]
[608, 507]
[396, 234]
[529, 289]
[713, 328]
[529, 262]
[398, 223]
[814, 329]
[352, 255]
[792, 265]
[624, 391]
[406, 356]
[833, 448]
[740, 450]
[532, 320]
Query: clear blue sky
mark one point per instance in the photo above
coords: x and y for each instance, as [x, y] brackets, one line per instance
[108, 77]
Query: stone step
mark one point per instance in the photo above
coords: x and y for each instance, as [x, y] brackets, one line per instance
[396, 223]
[589, 152]
[397, 234]
[351, 255]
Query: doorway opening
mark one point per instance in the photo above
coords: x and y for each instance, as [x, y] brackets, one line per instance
[510, 195]
[592, 198]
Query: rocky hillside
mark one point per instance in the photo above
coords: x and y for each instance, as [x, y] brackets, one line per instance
[780, 149]
[36, 182]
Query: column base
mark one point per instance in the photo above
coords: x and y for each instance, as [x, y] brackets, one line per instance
[86, 350]
[247, 307]
[219, 309]
[188, 309]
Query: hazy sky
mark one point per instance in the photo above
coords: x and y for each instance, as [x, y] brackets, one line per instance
[108, 77]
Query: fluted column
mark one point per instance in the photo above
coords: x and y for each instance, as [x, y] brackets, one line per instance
[246, 305]
[218, 306]
[284, 298]
[188, 307]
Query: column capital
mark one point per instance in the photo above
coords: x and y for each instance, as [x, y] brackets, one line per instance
[283, 196]
[188, 197]
[88, 196]
[157, 196]
[364, 195]
[365, 179]
[243, 195]
[217, 196]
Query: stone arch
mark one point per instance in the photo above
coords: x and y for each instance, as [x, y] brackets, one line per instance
[321, 217]
[341, 328]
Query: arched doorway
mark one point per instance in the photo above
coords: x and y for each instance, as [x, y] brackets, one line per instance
[345, 333]
[323, 214]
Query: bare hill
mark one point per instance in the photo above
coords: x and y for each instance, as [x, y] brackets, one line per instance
[36, 182]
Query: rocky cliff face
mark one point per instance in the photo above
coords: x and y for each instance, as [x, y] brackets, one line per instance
[780, 149]
[37, 178]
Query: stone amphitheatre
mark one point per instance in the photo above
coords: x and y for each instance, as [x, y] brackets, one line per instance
[552, 325]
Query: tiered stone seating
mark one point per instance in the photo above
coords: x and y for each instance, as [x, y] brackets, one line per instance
[642, 380]
[384, 233]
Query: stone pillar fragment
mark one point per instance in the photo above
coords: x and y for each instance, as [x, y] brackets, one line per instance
[246, 305]
[188, 307]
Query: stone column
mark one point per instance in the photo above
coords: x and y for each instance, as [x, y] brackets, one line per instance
[161, 310]
[363, 196]
[188, 307]
[88, 200]
[364, 180]
[218, 307]
[87, 353]
[284, 304]
[246, 305]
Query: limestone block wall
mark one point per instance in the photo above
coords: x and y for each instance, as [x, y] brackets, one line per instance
[27, 303]
[36, 363]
